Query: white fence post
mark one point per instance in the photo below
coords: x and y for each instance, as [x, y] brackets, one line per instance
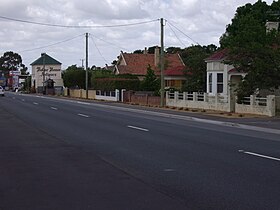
[271, 105]
[176, 97]
[185, 96]
[117, 94]
[194, 96]
[252, 100]
[205, 97]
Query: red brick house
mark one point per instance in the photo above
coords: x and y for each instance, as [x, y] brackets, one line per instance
[136, 64]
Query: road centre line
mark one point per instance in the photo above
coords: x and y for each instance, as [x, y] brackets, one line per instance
[54, 108]
[259, 155]
[137, 128]
[35, 103]
[173, 116]
[83, 115]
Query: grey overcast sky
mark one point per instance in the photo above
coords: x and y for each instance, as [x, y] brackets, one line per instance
[198, 21]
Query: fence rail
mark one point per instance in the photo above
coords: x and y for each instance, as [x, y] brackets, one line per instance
[251, 105]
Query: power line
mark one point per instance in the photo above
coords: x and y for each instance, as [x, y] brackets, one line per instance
[176, 35]
[99, 50]
[76, 26]
[110, 43]
[183, 32]
[50, 45]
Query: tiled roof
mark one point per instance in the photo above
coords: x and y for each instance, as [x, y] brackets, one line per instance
[218, 56]
[137, 63]
[48, 60]
[176, 71]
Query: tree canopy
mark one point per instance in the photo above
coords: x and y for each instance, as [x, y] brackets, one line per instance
[195, 72]
[253, 48]
[11, 61]
[74, 77]
[150, 82]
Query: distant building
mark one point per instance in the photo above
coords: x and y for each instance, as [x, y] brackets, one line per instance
[137, 64]
[45, 68]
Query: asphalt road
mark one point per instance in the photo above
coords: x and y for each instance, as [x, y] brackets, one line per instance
[67, 154]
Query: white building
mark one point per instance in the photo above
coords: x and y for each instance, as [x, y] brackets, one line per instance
[45, 68]
[221, 77]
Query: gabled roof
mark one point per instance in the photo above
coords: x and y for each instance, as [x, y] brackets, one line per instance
[218, 56]
[48, 60]
[176, 71]
[137, 63]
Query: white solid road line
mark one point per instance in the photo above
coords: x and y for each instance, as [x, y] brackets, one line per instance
[137, 128]
[259, 155]
[54, 108]
[83, 115]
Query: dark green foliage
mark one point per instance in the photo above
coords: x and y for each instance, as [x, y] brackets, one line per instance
[115, 82]
[150, 82]
[138, 51]
[151, 50]
[11, 61]
[105, 80]
[195, 72]
[252, 49]
[74, 77]
[173, 50]
[101, 73]
[27, 84]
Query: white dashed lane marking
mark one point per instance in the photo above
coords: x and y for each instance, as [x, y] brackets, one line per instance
[83, 115]
[259, 155]
[137, 128]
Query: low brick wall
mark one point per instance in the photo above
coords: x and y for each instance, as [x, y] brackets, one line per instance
[79, 93]
[142, 99]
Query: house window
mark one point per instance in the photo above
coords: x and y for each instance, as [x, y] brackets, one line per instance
[210, 79]
[170, 83]
[220, 83]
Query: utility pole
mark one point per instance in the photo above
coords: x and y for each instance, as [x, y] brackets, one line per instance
[44, 73]
[86, 65]
[162, 85]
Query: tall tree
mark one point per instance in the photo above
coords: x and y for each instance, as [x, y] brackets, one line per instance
[195, 72]
[74, 77]
[252, 48]
[150, 82]
[11, 61]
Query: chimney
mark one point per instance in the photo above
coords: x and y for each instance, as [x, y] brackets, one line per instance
[157, 57]
[145, 51]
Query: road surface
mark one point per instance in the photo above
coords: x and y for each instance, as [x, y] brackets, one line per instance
[146, 159]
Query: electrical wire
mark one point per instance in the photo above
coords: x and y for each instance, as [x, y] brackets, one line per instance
[176, 35]
[50, 45]
[110, 43]
[183, 33]
[76, 26]
[106, 61]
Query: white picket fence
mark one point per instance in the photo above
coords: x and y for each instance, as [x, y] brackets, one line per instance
[250, 105]
[107, 95]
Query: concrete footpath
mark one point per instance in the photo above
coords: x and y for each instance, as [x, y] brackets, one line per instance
[38, 171]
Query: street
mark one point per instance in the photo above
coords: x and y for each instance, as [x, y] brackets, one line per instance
[69, 154]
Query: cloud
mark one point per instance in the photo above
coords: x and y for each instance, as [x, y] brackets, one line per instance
[203, 21]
